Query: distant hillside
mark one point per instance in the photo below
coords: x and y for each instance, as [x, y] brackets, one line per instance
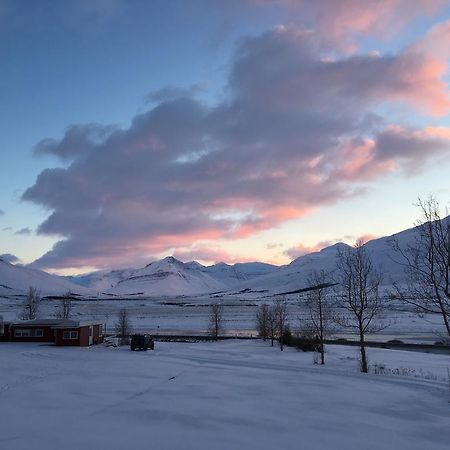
[15, 280]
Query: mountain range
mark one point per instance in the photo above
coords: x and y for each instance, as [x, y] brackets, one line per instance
[171, 277]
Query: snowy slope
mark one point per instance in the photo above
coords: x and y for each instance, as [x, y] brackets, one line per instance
[170, 276]
[17, 279]
[101, 281]
[166, 277]
[237, 273]
[295, 275]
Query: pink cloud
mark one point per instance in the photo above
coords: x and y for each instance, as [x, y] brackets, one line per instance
[344, 20]
[301, 249]
[366, 238]
[295, 133]
[208, 255]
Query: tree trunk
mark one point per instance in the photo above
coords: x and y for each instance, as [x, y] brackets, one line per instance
[362, 347]
[322, 351]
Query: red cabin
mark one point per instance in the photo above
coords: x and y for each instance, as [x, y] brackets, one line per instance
[59, 331]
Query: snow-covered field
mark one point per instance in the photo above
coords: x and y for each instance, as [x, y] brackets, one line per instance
[225, 395]
[190, 315]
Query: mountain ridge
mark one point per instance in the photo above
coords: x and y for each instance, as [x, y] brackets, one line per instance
[172, 277]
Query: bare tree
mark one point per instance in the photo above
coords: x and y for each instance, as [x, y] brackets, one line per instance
[215, 320]
[262, 321]
[65, 306]
[271, 324]
[426, 263]
[281, 319]
[318, 307]
[358, 289]
[30, 306]
[123, 326]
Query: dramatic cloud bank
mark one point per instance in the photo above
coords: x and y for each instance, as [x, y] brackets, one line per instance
[297, 130]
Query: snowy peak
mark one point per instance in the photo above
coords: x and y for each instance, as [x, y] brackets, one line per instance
[167, 277]
[236, 274]
[170, 277]
[16, 280]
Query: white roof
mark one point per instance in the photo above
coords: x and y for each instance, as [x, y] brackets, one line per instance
[57, 323]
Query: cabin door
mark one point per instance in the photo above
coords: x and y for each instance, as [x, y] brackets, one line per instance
[91, 335]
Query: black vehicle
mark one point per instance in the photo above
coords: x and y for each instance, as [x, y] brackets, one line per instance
[141, 342]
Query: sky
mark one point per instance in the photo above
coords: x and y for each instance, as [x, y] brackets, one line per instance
[217, 130]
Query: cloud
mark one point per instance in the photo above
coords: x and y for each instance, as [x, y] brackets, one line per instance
[207, 254]
[366, 238]
[10, 258]
[175, 92]
[7, 229]
[296, 131]
[24, 231]
[343, 21]
[272, 245]
[412, 148]
[77, 142]
[2, 213]
[301, 250]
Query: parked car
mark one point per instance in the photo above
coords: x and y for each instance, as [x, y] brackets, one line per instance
[141, 342]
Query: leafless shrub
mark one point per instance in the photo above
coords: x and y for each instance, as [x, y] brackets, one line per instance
[262, 321]
[30, 306]
[319, 311]
[65, 306]
[281, 320]
[382, 369]
[123, 326]
[272, 324]
[215, 320]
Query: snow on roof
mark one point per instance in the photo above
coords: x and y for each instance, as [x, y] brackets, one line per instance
[57, 323]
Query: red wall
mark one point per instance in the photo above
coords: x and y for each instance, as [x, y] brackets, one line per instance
[83, 336]
[56, 335]
[47, 336]
[67, 342]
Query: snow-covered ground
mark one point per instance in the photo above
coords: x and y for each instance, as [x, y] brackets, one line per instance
[225, 395]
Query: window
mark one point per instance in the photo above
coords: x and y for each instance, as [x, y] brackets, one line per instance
[28, 333]
[22, 333]
[70, 335]
[100, 330]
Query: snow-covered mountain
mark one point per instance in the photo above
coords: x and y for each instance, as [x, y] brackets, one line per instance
[16, 280]
[294, 276]
[101, 281]
[171, 277]
[166, 277]
[233, 275]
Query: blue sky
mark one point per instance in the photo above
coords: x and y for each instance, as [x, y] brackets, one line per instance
[96, 62]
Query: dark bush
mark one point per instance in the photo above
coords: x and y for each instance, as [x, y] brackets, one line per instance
[307, 342]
